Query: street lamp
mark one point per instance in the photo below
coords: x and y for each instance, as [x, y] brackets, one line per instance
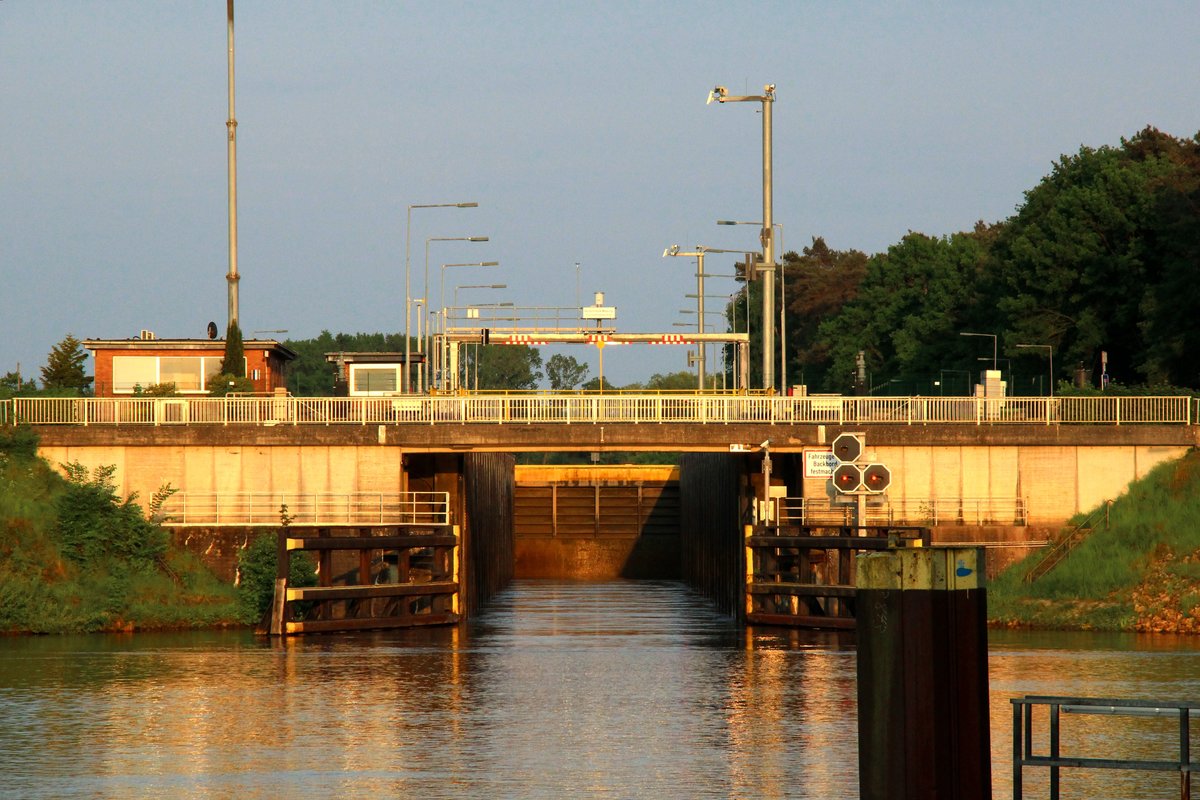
[767, 98]
[444, 239]
[782, 298]
[1050, 350]
[477, 286]
[442, 302]
[698, 254]
[992, 336]
[405, 385]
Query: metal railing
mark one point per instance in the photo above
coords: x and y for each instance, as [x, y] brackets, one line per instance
[571, 408]
[1069, 541]
[269, 509]
[909, 510]
[1022, 735]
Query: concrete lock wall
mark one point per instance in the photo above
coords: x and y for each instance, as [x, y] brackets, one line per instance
[1055, 481]
[199, 468]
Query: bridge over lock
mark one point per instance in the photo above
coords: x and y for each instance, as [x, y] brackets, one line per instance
[1005, 472]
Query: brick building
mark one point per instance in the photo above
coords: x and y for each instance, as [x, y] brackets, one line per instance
[125, 366]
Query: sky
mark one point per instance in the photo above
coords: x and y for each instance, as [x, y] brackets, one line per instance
[581, 129]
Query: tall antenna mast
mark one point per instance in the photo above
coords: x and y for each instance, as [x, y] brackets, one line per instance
[231, 124]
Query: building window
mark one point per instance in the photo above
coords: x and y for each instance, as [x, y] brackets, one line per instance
[375, 379]
[130, 373]
[190, 374]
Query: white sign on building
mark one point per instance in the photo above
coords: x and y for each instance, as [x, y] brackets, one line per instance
[819, 463]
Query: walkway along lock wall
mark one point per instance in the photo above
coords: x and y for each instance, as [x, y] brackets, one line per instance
[922, 674]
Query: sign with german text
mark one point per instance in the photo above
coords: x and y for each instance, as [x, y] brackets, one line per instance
[819, 463]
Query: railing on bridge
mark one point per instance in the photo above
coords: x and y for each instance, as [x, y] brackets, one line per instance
[573, 408]
[269, 509]
[802, 511]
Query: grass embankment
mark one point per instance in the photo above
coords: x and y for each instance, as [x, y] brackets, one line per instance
[1141, 573]
[74, 557]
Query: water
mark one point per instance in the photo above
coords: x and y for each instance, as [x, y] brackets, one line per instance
[610, 690]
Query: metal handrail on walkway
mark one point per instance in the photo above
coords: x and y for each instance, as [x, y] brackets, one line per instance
[1065, 545]
[908, 510]
[269, 509]
[571, 408]
[1022, 736]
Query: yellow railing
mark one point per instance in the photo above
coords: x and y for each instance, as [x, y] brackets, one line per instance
[911, 511]
[271, 509]
[573, 408]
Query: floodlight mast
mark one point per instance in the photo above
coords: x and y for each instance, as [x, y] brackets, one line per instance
[232, 277]
[767, 233]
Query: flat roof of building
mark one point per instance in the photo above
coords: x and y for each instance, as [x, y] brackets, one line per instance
[343, 357]
[284, 352]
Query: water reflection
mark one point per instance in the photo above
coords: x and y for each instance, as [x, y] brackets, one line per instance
[626, 689]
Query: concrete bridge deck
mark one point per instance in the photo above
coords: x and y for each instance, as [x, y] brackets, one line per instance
[937, 448]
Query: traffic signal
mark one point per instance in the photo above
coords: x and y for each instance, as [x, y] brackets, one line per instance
[847, 447]
[485, 335]
[876, 478]
[847, 478]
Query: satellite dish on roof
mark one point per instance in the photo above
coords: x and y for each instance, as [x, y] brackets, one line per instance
[212, 330]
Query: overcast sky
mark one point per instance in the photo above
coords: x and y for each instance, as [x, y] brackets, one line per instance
[580, 128]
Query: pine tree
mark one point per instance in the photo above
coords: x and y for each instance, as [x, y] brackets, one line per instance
[64, 367]
[235, 356]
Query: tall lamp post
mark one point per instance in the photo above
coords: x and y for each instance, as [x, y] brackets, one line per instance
[697, 254]
[767, 234]
[467, 371]
[440, 239]
[782, 298]
[405, 382]
[442, 303]
[1050, 350]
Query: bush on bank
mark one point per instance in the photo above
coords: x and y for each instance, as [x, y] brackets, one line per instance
[1141, 572]
[75, 557]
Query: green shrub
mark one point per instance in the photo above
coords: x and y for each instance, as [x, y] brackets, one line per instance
[93, 522]
[257, 566]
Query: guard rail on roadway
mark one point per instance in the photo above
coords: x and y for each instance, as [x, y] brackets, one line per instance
[568, 409]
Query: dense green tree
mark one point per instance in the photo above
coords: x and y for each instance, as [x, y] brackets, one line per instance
[1095, 259]
[311, 375]
[234, 362]
[597, 384]
[565, 372]
[911, 305]
[13, 384]
[517, 367]
[64, 370]
[671, 381]
[819, 282]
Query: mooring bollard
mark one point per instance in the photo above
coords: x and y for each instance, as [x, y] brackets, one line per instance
[922, 674]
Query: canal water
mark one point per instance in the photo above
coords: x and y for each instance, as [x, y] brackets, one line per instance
[608, 690]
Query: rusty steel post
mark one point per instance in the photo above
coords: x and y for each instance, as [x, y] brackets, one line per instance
[922, 674]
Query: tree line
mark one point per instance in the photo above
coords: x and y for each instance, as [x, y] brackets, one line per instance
[1099, 260]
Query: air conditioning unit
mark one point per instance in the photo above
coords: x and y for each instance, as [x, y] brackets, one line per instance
[146, 335]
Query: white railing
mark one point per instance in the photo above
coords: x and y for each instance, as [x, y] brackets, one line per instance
[904, 511]
[268, 509]
[567, 409]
